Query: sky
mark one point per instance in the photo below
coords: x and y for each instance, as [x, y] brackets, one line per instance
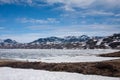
[28, 20]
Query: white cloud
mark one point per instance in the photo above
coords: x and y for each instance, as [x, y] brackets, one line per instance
[88, 16]
[98, 12]
[2, 28]
[43, 27]
[39, 21]
[22, 37]
[117, 15]
[6, 1]
[89, 13]
[73, 29]
[15, 1]
[108, 3]
[71, 4]
[68, 4]
[61, 31]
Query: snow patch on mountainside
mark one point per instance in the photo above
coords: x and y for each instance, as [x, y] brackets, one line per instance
[99, 42]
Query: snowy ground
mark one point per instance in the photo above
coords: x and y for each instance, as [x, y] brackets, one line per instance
[29, 74]
[55, 55]
[51, 55]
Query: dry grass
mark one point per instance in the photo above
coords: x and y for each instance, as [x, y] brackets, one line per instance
[115, 54]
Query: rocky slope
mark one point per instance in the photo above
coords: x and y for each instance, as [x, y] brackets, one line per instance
[69, 42]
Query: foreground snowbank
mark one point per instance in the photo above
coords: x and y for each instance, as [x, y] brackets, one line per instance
[29, 74]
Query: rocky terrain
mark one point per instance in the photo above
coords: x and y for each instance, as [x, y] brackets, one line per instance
[69, 42]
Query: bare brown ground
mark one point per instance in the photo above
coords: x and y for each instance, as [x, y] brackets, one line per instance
[105, 68]
[115, 54]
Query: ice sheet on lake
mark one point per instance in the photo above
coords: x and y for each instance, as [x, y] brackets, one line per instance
[75, 59]
[55, 55]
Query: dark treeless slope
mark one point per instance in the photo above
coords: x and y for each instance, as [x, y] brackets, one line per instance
[115, 54]
[105, 68]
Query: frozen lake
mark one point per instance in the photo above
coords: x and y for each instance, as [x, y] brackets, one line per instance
[55, 55]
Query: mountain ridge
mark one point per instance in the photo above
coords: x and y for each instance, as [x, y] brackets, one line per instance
[68, 42]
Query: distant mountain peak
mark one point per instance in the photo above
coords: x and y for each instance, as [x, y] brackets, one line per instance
[68, 42]
[10, 41]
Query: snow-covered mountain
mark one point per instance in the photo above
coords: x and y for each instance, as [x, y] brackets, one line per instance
[57, 40]
[8, 41]
[82, 38]
[84, 41]
[68, 42]
[112, 41]
[48, 40]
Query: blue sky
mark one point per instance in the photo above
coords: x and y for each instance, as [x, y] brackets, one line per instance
[27, 20]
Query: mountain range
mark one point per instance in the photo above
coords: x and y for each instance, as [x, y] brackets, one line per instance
[68, 42]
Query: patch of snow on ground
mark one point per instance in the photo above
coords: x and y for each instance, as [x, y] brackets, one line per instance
[30, 74]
